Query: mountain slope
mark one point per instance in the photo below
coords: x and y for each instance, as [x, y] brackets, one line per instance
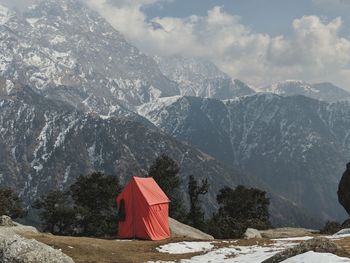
[320, 91]
[201, 78]
[46, 144]
[63, 43]
[296, 146]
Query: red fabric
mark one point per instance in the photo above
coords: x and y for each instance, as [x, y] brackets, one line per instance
[146, 210]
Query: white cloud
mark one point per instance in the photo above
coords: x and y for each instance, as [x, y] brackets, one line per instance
[314, 52]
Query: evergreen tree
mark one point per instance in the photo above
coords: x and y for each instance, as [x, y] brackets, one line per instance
[165, 172]
[87, 209]
[196, 215]
[94, 198]
[56, 213]
[10, 204]
[240, 208]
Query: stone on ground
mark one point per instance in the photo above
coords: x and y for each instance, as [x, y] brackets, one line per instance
[252, 233]
[178, 229]
[318, 244]
[6, 221]
[16, 249]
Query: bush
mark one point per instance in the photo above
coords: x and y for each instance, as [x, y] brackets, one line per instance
[165, 171]
[87, 209]
[330, 228]
[240, 208]
[10, 204]
[57, 214]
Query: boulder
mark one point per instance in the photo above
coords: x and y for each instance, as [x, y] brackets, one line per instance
[318, 244]
[178, 229]
[6, 221]
[252, 233]
[343, 189]
[346, 224]
[15, 249]
[342, 232]
[286, 232]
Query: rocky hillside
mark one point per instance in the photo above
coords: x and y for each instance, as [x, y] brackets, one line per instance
[71, 53]
[296, 146]
[46, 144]
[201, 78]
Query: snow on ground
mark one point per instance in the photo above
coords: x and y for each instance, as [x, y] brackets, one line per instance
[313, 257]
[230, 254]
[233, 253]
[185, 247]
[237, 254]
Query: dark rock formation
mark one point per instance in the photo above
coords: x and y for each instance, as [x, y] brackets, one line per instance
[344, 189]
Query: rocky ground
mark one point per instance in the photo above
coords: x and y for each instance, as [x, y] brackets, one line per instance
[334, 249]
[22, 244]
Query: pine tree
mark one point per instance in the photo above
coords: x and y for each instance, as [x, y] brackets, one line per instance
[87, 209]
[165, 172]
[56, 213]
[196, 214]
[94, 197]
[239, 209]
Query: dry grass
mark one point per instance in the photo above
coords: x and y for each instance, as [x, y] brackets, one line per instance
[91, 250]
[345, 244]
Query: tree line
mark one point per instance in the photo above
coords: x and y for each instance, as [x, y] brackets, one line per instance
[88, 207]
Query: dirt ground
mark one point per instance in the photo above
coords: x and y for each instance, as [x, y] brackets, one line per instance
[93, 250]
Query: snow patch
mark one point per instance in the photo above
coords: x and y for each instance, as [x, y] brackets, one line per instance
[185, 247]
[313, 257]
[4, 15]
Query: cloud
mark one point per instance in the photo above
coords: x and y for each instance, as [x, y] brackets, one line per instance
[315, 51]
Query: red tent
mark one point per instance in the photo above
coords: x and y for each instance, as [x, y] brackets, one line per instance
[145, 210]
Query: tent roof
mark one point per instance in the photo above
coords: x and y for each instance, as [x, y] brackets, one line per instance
[151, 190]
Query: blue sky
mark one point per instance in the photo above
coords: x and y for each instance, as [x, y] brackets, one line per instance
[265, 16]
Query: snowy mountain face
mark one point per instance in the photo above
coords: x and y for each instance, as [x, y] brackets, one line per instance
[201, 78]
[320, 91]
[72, 54]
[46, 144]
[296, 146]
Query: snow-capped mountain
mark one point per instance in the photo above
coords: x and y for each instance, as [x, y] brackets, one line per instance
[46, 144]
[71, 53]
[201, 78]
[296, 146]
[320, 91]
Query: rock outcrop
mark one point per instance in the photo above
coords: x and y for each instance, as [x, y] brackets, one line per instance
[318, 244]
[6, 221]
[252, 233]
[343, 189]
[16, 249]
[178, 229]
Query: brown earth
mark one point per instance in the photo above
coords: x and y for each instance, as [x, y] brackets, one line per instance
[93, 250]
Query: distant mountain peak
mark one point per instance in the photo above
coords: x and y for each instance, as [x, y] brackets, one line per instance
[321, 91]
[201, 78]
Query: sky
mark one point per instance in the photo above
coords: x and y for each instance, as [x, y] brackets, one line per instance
[257, 41]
